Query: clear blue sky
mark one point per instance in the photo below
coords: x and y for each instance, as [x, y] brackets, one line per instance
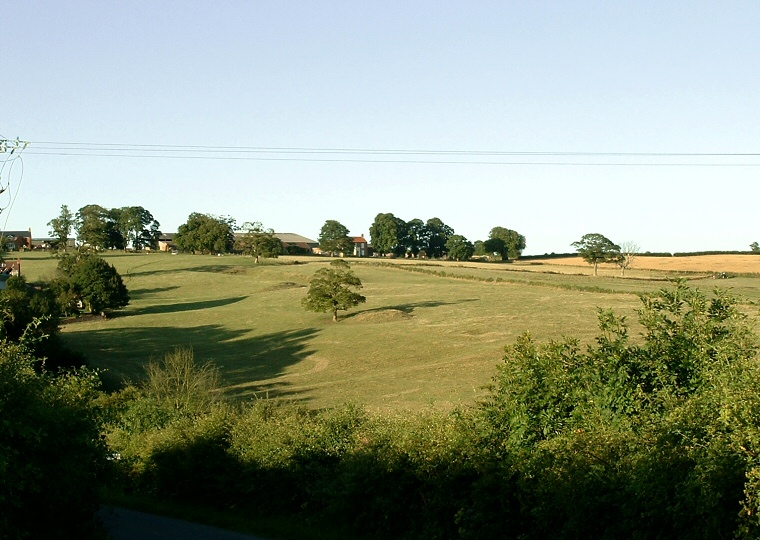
[588, 77]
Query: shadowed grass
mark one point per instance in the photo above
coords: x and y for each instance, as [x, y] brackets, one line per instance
[421, 339]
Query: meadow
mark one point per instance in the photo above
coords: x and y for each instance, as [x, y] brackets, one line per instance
[430, 334]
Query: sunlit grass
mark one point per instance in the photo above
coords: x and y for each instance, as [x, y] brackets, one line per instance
[420, 340]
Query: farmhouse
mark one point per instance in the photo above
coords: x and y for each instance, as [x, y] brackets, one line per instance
[360, 246]
[166, 242]
[17, 240]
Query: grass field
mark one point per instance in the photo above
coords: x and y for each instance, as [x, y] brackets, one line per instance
[420, 340]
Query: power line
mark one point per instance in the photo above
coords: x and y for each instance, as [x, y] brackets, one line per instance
[395, 156]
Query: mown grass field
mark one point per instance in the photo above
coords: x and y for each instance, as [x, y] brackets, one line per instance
[420, 340]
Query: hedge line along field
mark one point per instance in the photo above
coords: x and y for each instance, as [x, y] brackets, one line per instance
[430, 333]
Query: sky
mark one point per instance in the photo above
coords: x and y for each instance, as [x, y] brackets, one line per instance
[555, 119]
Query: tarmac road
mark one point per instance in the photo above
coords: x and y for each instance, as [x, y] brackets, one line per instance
[123, 524]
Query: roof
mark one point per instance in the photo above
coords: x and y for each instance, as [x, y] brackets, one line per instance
[291, 238]
[360, 240]
[16, 234]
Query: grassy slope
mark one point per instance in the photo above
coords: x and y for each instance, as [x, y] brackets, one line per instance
[419, 340]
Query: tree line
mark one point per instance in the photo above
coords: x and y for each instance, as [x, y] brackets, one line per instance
[103, 228]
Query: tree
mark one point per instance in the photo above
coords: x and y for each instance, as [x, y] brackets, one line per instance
[94, 281]
[94, 227]
[596, 248]
[434, 237]
[206, 233]
[415, 233]
[459, 248]
[506, 242]
[136, 227]
[628, 253]
[330, 290]
[61, 226]
[387, 234]
[259, 242]
[755, 247]
[334, 239]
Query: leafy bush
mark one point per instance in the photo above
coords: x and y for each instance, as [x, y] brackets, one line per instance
[650, 437]
[51, 454]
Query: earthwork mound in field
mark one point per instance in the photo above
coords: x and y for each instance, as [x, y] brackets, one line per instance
[285, 285]
[380, 316]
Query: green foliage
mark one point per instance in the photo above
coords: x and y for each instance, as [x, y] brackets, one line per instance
[204, 233]
[51, 454]
[387, 233]
[330, 290]
[136, 227]
[434, 237]
[638, 431]
[182, 384]
[95, 228]
[61, 227]
[92, 280]
[334, 239]
[459, 248]
[28, 314]
[506, 242]
[596, 248]
[259, 242]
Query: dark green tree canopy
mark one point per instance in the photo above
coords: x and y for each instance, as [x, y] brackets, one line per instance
[95, 227]
[94, 281]
[330, 290]
[334, 239]
[415, 234]
[258, 241]
[61, 227]
[206, 233]
[434, 237]
[507, 243]
[387, 234]
[117, 228]
[459, 248]
[136, 226]
[596, 248]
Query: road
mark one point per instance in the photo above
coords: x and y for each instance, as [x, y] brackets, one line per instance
[123, 524]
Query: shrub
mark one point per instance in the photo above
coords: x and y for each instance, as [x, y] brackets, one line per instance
[51, 454]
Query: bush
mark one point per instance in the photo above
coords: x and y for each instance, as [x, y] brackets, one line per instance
[51, 454]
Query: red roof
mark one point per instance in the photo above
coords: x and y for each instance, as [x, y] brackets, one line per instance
[360, 240]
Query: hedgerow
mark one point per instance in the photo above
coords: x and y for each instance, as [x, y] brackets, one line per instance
[655, 437]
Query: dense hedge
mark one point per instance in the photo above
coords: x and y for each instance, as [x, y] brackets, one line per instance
[656, 439]
[51, 451]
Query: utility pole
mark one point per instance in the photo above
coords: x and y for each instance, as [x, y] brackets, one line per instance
[13, 145]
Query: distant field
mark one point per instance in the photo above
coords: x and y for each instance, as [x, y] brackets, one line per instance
[701, 263]
[420, 340]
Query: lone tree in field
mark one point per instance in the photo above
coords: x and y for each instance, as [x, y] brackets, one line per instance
[330, 290]
[628, 253]
[596, 248]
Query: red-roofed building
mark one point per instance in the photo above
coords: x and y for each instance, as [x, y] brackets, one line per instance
[360, 246]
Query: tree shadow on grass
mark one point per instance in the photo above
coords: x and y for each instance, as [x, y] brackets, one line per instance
[140, 293]
[251, 366]
[409, 307]
[184, 306]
